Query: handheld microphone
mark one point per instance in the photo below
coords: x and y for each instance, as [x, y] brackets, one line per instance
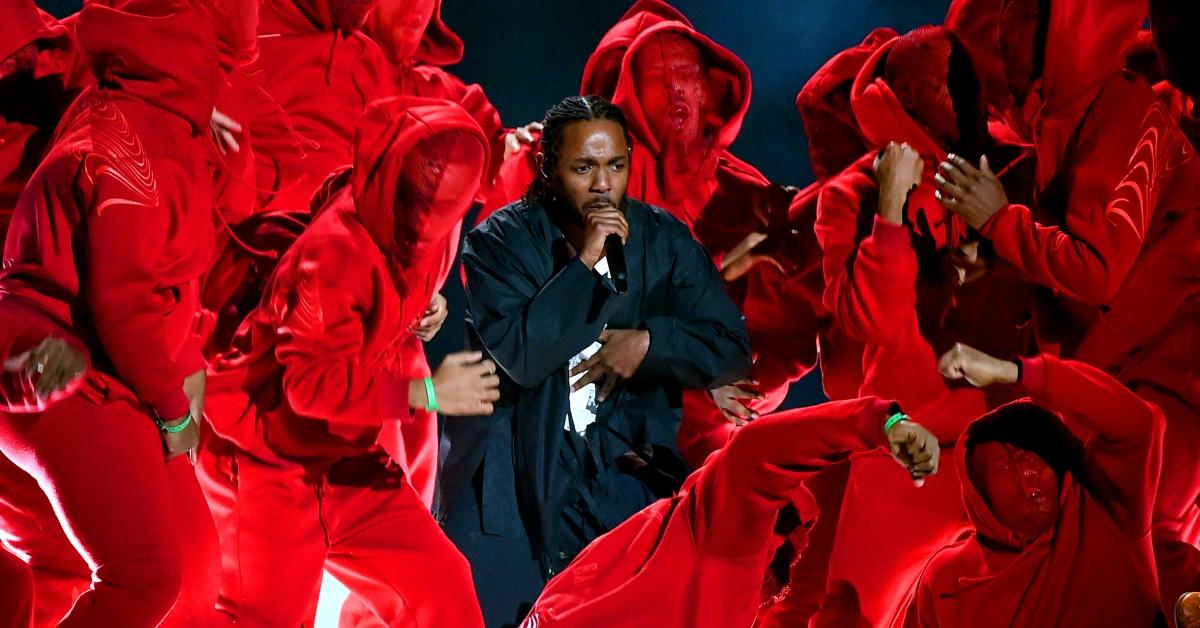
[615, 252]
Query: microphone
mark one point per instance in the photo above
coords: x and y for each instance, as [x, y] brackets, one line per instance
[615, 252]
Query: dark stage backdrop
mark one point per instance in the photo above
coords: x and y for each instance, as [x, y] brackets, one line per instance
[528, 54]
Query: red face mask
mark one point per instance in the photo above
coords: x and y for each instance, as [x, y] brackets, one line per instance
[348, 15]
[429, 196]
[1018, 37]
[402, 23]
[1020, 488]
[672, 88]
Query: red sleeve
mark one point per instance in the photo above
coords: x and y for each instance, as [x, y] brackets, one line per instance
[1124, 455]
[742, 488]
[127, 301]
[322, 299]
[867, 282]
[1112, 190]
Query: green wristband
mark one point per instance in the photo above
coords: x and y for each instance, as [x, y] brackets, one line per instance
[430, 396]
[187, 420]
[892, 420]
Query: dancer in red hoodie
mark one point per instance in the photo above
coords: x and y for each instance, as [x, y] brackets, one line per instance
[108, 241]
[1110, 234]
[1060, 489]
[16, 591]
[698, 558]
[318, 370]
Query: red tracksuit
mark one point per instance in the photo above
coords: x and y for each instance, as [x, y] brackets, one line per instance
[108, 242]
[1093, 565]
[698, 559]
[320, 370]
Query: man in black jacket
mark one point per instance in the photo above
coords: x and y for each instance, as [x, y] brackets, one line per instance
[584, 433]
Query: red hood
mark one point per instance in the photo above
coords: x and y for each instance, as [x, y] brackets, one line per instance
[882, 119]
[161, 52]
[236, 22]
[24, 24]
[437, 45]
[977, 25]
[728, 97]
[604, 65]
[313, 16]
[422, 251]
[1033, 427]
[821, 103]
[1085, 45]
[879, 113]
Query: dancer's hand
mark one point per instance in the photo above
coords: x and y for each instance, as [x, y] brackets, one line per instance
[522, 135]
[973, 193]
[898, 170]
[465, 385]
[54, 363]
[432, 320]
[734, 401]
[915, 448]
[977, 367]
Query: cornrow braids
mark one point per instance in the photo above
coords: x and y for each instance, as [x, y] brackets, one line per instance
[568, 111]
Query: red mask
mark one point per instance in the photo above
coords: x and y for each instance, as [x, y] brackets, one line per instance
[673, 92]
[1018, 39]
[918, 71]
[401, 24]
[429, 195]
[1020, 487]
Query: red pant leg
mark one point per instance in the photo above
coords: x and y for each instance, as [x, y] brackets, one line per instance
[101, 465]
[272, 537]
[388, 550]
[887, 531]
[16, 591]
[29, 527]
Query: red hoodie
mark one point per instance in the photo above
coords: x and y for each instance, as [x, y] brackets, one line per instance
[322, 72]
[698, 559]
[1094, 565]
[114, 229]
[1111, 161]
[35, 51]
[319, 365]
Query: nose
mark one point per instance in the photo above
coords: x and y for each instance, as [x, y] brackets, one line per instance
[602, 182]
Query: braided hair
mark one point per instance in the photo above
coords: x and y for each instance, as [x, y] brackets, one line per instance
[570, 110]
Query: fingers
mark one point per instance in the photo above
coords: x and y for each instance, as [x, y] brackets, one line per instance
[511, 144]
[950, 364]
[962, 165]
[536, 126]
[18, 362]
[609, 384]
[591, 377]
[985, 167]
[947, 187]
[586, 365]
[606, 335]
[225, 121]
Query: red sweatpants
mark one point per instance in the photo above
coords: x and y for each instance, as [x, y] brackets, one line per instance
[139, 522]
[16, 591]
[887, 531]
[29, 527]
[281, 525]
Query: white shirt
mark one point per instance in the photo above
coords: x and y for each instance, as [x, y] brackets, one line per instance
[581, 411]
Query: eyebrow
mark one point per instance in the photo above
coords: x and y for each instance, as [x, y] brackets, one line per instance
[592, 161]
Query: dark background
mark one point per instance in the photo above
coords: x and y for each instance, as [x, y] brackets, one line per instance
[528, 54]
